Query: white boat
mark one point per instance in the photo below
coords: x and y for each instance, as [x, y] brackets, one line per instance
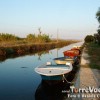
[77, 47]
[53, 72]
[66, 59]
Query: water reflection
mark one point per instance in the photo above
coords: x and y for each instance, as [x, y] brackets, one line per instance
[24, 67]
[42, 53]
[12, 56]
[2, 58]
[51, 92]
[57, 51]
[19, 81]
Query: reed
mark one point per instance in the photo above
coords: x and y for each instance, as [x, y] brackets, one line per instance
[11, 44]
[25, 48]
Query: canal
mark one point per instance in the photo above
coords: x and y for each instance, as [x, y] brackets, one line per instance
[19, 81]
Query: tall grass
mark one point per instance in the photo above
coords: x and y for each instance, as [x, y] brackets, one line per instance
[7, 37]
[40, 38]
[10, 39]
[11, 44]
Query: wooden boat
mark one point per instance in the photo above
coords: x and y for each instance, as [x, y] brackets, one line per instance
[66, 59]
[77, 47]
[53, 71]
[77, 50]
[71, 53]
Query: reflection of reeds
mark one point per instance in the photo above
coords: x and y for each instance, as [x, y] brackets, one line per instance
[27, 48]
[2, 52]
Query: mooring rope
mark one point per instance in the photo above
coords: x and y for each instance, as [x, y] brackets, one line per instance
[64, 78]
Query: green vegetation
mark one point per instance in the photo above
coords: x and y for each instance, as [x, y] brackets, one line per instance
[92, 47]
[97, 35]
[8, 40]
[11, 44]
[94, 52]
[38, 38]
[8, 37]
[89, 38]
[98, 15]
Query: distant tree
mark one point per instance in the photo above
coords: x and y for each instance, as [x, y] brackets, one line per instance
[98, 31]
[89, 38]
[40, 38]
[98, 15]
[30, 37]
[95, 38]
[43, 38]
[8, 37]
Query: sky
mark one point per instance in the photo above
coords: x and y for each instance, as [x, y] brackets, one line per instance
[71, 19]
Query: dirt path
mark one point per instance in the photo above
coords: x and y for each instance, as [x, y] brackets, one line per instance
[86, 73]
[88, 77]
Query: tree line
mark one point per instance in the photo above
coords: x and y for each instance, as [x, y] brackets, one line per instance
[41, 37]
[96, 37]
[8, 37]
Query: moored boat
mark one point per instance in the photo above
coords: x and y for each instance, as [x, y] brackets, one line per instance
[66, 59]
[71, 53]
[53, 72]
[77, 48]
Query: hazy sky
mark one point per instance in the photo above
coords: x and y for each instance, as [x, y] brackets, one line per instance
[74, 19]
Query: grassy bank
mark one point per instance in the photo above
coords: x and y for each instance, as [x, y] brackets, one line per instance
[32, 43]
[23, 47]
[94, 52]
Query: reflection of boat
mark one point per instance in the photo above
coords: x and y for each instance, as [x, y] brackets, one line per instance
[54, 92]
[53, 71]
[66, 59]
[71, 53]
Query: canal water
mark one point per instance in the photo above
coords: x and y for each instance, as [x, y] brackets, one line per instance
[19, 81]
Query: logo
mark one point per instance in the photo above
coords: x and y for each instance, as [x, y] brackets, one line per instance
[88, 92]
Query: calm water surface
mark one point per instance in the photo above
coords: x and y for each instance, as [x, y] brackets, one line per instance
[18, 80]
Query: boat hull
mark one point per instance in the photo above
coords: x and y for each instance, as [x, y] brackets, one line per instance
[53, 74]
[77, 49]
[52, 78]
[71, 53]
[64, 60]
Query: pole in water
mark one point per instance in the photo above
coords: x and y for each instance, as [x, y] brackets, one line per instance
[57, 35]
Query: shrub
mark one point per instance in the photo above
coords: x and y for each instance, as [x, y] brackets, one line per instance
[89, 38]
[40, 38]
[7, 37]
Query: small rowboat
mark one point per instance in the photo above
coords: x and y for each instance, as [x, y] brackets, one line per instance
[71, 53]
[66, 59]
[53, 72]
[78, 47]
[77, 50]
